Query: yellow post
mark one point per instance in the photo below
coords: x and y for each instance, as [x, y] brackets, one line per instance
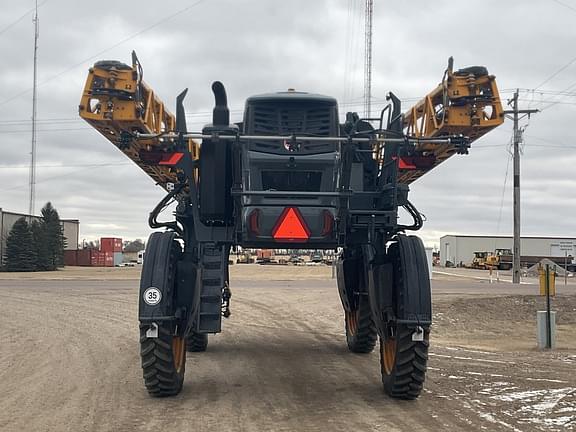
[551, 281]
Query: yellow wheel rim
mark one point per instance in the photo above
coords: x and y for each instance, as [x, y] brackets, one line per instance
[178, 352]
[352, 320]
[389, 355]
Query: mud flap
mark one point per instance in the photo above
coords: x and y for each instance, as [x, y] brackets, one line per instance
[380, 287]
[187, 290]
[157, 300]
[399, 285]
[348, 277]
[414, 302]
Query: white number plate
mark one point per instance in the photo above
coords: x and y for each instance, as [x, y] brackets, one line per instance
[152, 296]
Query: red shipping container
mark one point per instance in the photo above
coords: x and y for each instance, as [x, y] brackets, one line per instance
[70, 258]
[83, 257]
[94, 255]
[100, 259]
[110, 244]
[108, 259]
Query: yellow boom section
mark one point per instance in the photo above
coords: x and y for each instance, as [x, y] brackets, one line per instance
[117, 103]
[465, 103]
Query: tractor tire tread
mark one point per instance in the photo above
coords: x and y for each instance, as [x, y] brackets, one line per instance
[366, 336]
[160, 377]
[196, 342]
[407, 378]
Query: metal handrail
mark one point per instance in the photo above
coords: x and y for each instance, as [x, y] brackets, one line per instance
[216, 136]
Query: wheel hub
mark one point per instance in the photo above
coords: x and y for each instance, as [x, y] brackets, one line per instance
[352, 321]
[388, 351]
[178, 352]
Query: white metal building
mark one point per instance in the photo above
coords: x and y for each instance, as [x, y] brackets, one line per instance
[7, 220]
[460, 248]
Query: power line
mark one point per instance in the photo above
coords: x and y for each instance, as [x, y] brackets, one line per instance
[132, 36]
[52, 178]
[44, 130]
[559, 102]
[565, 5]
[104, 164]
[72, 121]
[502, 198]
[13, 23]
[555, 74]
[542, 92]
[570, 87]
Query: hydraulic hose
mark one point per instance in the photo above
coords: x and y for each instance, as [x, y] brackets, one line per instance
[152, 218]
[418, 220]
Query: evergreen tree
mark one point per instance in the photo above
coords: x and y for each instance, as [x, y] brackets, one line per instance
[41, 246]
[20, 250]
[53, 237]
[134, 246]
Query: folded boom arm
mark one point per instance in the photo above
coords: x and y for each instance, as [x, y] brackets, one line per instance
[466, 103]
[118, 104]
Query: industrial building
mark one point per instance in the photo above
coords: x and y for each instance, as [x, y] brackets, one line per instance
[7, 220]
[458, 249]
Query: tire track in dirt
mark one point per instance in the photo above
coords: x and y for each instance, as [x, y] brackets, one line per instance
[69, 362]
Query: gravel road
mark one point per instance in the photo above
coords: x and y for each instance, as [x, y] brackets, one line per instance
[69, 362]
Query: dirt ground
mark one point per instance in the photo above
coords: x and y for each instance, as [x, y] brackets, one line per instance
[69, 359]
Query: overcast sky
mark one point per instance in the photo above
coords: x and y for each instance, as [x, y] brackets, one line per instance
[260, 46]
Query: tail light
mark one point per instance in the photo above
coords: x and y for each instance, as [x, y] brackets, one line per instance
[328, 223]
[254, 222]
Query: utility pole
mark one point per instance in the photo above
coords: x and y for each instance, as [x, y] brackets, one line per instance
[32, 177]
[517, 141]
[369, 11]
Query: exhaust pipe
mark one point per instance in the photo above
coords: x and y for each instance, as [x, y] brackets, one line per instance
[220, 114]
[181, 113]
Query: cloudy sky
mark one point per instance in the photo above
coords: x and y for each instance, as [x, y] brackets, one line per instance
[260, 46]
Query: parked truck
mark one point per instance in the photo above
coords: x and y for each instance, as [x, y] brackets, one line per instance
[289, 175]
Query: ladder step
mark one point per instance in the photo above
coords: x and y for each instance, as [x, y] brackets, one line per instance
[212, 280]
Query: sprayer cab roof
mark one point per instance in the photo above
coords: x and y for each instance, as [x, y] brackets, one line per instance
[291, 112]
[291, 95]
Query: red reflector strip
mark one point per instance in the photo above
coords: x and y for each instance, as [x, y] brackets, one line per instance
[254, 222]
[405, 163]
[328, 223]
[416, 162]
[173, 160]
[291, 226]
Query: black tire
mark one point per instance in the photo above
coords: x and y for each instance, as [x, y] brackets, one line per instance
[196, 342]
[163, 361]
[163, 357]
[402, 359]
[403, 363]
[361, 334]
[473, 70]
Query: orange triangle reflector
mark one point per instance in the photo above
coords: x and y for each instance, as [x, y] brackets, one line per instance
[291, 226]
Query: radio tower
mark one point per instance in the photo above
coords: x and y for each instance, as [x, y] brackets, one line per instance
[32, 179]
[369, 9]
